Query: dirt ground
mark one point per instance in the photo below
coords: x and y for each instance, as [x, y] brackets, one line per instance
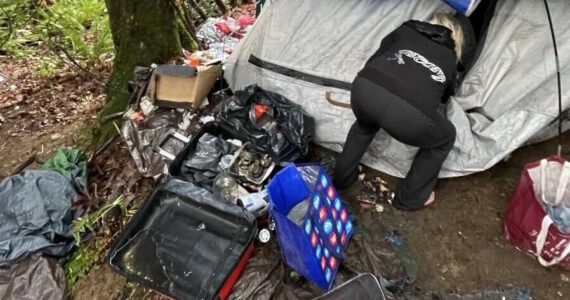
[458, 242]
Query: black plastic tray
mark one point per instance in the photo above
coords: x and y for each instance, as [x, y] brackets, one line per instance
[182, 242]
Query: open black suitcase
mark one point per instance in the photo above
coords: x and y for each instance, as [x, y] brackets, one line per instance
[185, 244]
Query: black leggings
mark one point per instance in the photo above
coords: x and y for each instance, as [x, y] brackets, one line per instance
[375, 108]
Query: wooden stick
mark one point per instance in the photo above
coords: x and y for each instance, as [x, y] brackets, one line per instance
[198, 9]
[25, 164]
[221, 6]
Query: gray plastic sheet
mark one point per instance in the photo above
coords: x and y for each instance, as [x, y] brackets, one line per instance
[139, 137]
[508, 99]
[35, 278]
[35, 214]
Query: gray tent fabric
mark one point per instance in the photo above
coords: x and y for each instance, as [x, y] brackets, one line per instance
[35, 278]
[35, 209]
[508, 99]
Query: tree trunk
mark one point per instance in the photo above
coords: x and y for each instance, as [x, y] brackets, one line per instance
[144, 32]
[198, 9]
[221, 6]
[234, 3]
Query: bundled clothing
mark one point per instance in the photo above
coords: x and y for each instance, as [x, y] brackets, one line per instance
[399, 90]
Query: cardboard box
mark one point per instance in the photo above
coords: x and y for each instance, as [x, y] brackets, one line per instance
[182, 86]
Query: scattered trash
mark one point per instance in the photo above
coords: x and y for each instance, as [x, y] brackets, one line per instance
[251, 166]
[146, 106]
[207, 119]
[184, 243]
[36, 277]
[564, 278]
[321, 229]
[264, 236]
[221, 36]
[255, 201]
[40, 199]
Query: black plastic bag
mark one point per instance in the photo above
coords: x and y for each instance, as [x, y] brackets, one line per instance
[282, 129]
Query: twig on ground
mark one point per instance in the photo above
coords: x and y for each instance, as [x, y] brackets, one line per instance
[103, 147]
[25, 164]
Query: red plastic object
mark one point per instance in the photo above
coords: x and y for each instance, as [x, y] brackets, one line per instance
[244, 21]
[525, 218]
[234, 276]
[260, 110]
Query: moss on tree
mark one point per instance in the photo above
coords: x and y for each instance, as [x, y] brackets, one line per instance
[144, 32]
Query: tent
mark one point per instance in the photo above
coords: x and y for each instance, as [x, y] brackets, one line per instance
[507, 99]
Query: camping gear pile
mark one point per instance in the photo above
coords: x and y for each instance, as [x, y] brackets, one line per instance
[214, 202]
[231, 185]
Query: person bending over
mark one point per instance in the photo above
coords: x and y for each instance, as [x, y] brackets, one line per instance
[399, 90]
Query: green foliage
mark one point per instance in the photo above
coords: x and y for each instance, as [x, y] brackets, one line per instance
[80, 27]
[85, 257]
[82, 260]
[47, 66]
[82, 224]
[16, 18]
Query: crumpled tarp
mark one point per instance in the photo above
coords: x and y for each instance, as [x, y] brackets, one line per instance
[507, 99]
[36, 278]
[71, 163]
[36, 215]
[140, 136]
[287, 141]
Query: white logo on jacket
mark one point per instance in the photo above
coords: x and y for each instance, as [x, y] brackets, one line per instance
[439, 76]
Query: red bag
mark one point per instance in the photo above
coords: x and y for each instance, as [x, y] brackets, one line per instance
[527, 225]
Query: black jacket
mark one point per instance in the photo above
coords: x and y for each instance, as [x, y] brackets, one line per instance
[417, 63]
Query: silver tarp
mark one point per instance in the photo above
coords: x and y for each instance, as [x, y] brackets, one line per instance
[507, 100]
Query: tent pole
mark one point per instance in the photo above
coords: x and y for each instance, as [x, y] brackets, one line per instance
[558, 76]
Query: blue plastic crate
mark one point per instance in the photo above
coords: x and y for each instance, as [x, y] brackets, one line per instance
[313, 244]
